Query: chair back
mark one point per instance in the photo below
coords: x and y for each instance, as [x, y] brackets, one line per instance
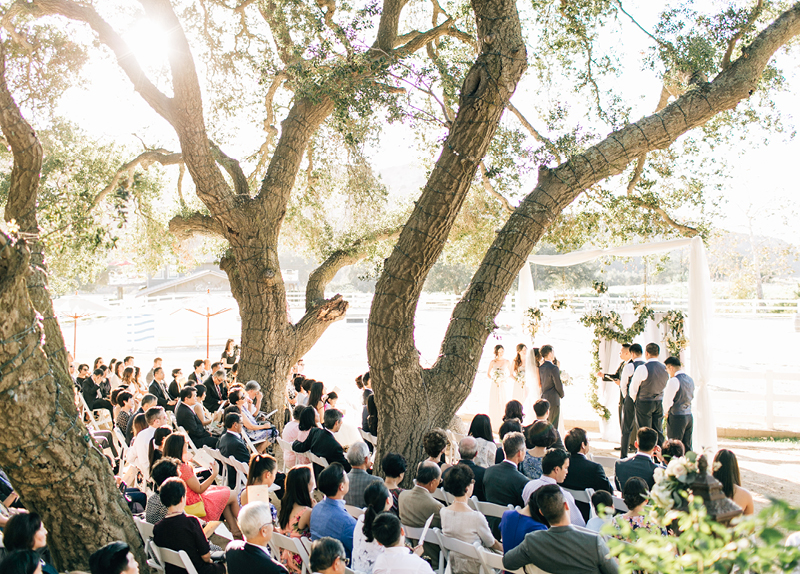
[449, 544]
[242, 469]
[146, 532]
[176, 558]
[317, 459]
[286, 447]
[494, 562]
[292, 545]
[368, 437]
[490, 509]
[414, 533]
[354, 511]
[217, 455]
[440, 495]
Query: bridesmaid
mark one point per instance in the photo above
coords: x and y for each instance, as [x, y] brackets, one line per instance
[498, 373]
[518, 367]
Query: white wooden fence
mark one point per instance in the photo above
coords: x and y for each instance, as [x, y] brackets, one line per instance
[761, 404]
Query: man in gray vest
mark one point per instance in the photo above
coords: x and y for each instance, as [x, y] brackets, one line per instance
[629, 427]
[677, 403]
[647, 390]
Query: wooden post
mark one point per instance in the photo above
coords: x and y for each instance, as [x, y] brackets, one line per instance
[770, 399]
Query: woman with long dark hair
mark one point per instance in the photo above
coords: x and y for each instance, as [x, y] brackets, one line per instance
[520, 392]
[294, 519]
[316, 397]
[513, 411]
[365, 548]
[498, 373]
[728, 474]
[481, 430]
[26, 532]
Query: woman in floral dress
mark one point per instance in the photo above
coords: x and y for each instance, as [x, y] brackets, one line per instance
[294, 519]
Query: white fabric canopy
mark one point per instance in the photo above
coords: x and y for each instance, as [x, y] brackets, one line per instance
[699, 319]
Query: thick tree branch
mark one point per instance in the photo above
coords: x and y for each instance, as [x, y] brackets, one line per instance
[124, 176]
[316, 320]
[533, 131]
[108, 36]
[726, 59]
[233, 168]
[487, 185]
[275, 18]
[389, 23]
[338, 31]
[684, 230]
[419, 41]
[269, 126]
[196, 224]
[322, 276]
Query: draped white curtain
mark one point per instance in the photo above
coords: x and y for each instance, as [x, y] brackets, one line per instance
[525, 299]
[698, 322]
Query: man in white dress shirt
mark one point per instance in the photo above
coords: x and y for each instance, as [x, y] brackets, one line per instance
[555, 465]
[396, 557]
[647, 390]
[628, 423]
[677, 403]
[156, 417]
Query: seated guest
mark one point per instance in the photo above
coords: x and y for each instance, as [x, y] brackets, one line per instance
[513, 410]
[538, 438]
[603, 504]
[92, 393]
[212, 421]
[115, 557]
[156, 449]
[158, 387]
[294, 519]
[460, 521]
[394, 468]
[642, 464]
[125, 403]
[147, 402]
[583, 473]
[231, 444]
[263, 470]
[253, 397]
[555, 466]
[329, 517]
[322, 443]
[26, 561]
[181, 532]
[396, 557]
[252, 554]
[435, 443]
[259, 433]
[187, 418]
[164, 468]
[672, 448]
[214, 390]
[214, 500]
[156, 417]
[358, 457]
[635, 495]
[503, 483]
[26, 532]
[417, 504]
[508, 426]
[291, 432]
[327, 556]
[365, 395]
[727, 472]
[365, 548]
[197, 374]
[481, 430]
[563, 548]
[175, 385]
[468, 449]
[515, 524]
[542, 410]
[372, 415]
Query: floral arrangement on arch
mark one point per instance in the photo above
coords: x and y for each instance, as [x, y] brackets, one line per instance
[680, 473]
[676, 339]
[559, 303]
[599, 287]
[534, 321]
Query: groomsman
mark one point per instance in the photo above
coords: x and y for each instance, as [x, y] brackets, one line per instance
[677, 403]
[647, 389]
[628, 424]
[550, 380]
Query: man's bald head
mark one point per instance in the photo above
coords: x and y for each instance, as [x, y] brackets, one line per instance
[468, 447]
[428, 475]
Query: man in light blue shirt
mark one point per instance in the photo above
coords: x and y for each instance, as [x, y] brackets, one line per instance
[329, 517]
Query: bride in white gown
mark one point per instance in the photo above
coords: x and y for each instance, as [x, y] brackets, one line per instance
[498, 373]
[532, 373]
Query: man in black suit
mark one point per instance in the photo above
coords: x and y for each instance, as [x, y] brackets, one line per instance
[187, 418]
[616, 377]
[550, 380]
[92, 395]
[503, 483]
[197, 374]
[250, 556]
[322, 443]
[175, 387]
[542, 411]
[158, 387]
[214, 390]
[642, 464]
[582, 472]
[468, 448]
[231, 444]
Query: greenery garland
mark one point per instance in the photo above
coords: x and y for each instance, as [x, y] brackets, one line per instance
[609, 327]
[534, 318]
[676, 338]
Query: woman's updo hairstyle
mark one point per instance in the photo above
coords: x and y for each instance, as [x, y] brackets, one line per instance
[635, 492]
[458, 480]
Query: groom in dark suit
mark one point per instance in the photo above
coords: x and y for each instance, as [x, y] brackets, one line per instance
[550, 379]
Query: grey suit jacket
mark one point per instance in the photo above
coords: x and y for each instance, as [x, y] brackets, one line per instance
[550, 378]
[563, 549]
[416, 505]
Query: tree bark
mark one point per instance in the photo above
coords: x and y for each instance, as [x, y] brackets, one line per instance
[408, 405]
[47, 452]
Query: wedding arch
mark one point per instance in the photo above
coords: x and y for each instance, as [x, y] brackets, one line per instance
[698, 320]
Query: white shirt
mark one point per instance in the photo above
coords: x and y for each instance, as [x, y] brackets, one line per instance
[596, 523]
[364, 552]
[673, 387]
[400, 560]
[575, 516]
[625, 377]
[639, 376]
[141, 445]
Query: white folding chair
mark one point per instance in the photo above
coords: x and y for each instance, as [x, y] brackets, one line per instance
[97, 417]
[249, 442]
[607, 462]
[489, 509]
[242, 469]
[292, 545]
[368, 437]
[414, 533]
[440, 495]
[354, 511]
[223, 463]
[286, 447]
[448, 545]
[146, 532]
[317, 459]
[176, 558]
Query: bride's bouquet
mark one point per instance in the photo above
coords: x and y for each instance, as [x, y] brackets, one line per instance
[566, 378]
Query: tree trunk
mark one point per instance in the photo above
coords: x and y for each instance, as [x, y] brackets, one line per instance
[408, 405]
[47, 452]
